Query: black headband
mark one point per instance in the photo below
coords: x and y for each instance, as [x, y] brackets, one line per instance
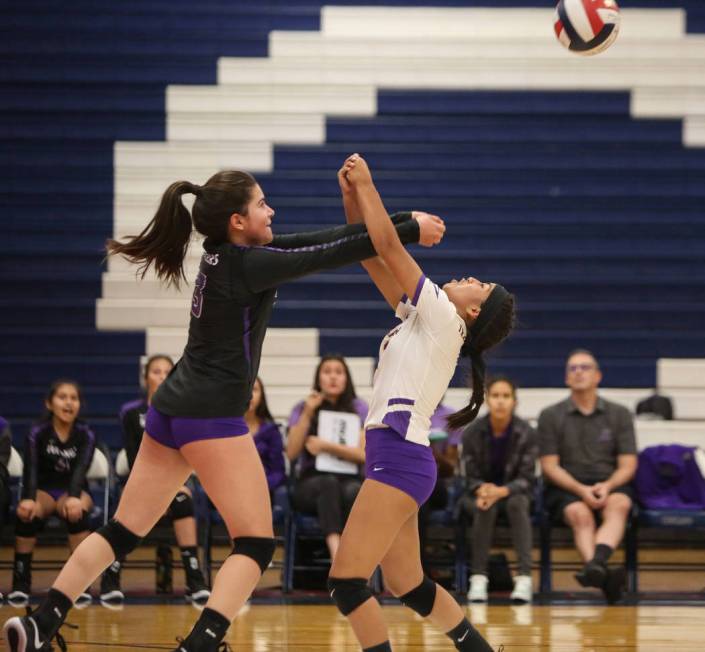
[488, 312]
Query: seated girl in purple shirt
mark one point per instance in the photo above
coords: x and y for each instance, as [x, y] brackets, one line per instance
[329, 495]
[268, 438]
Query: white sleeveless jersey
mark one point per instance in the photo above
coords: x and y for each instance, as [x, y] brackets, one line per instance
[417, 360]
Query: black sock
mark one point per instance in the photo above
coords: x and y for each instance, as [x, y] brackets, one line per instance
[189, 557]
[209, 630]
[382, 647]
[467, 639]
[602, 553]
[23, 563]
[51, 613]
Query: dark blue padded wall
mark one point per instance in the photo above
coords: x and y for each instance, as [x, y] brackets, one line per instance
[78, 76]
[593, 219]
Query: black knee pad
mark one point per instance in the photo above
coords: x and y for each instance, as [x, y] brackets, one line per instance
[28, 529]
[181, 506]
[348, 593]
[421, 598]
[261, 549]
[121, 540]
[81, 525]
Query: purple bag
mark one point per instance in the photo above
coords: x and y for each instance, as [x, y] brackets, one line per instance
[668, 477]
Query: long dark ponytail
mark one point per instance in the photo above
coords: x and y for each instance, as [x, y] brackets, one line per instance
[494, 323]
[164, 241]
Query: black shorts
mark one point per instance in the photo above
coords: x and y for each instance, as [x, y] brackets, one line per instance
[557, 499]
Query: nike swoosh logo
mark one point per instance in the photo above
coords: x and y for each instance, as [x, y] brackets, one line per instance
[378, 468]
[37, 642]
[463, 637]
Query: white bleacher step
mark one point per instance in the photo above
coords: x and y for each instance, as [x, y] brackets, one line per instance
[694, 131]
[312, 99]
[281, 342]
[317, 44]
[452, 22]
[560, 71]
[655, 433]
[668, 102]
[681, 373]
[687, 403]
[289, 371]
[295, 128]
[137, 314]
[206, 155]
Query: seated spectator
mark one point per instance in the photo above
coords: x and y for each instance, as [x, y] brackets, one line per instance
[57, 455]
[181, 510]
[444, 445]
[5, 449]
[499, 455]
[268, 438]
[588, 458]
[327, 494]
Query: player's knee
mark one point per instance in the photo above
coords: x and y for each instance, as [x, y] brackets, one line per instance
[181, 506]
[259, 549]
[422, 598]
[81, 525]
[348, 593]
[121, 540]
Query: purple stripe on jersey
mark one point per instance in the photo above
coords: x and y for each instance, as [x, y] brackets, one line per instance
[417, 292]
[246, 335]
[404, 298]
[400, 401]
[398, 421]
[318, 247]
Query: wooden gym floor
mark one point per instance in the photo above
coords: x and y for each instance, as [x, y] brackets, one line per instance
[301, 628]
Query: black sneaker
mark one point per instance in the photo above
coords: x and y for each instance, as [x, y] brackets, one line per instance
[110, 591]
[21, 585]
[593, 574]
[23, 635]
[222, 646]
[197, 591]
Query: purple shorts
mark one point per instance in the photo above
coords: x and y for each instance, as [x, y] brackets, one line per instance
[54, 493]
[406, 465]
[175, 432]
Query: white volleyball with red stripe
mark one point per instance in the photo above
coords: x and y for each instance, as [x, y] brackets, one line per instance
[587, 26]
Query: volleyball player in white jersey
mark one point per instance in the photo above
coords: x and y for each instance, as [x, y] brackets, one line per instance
[417, 360]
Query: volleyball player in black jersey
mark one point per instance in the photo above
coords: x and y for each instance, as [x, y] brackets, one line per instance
[195, 421]
[57, 455]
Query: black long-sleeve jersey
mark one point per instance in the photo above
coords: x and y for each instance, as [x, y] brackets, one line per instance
[50, 463]
[231, 307]
[132, 419]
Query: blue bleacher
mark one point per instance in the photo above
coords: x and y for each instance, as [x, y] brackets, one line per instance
[594, 219]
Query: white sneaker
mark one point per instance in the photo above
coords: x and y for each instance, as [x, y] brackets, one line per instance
[478, 588]
[523, 589]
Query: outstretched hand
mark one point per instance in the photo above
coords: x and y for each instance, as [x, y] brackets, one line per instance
[356, 170]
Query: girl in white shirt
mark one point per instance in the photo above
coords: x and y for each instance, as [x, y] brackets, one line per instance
[417, 360]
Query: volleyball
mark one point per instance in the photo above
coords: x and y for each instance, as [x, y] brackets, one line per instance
[587, 27]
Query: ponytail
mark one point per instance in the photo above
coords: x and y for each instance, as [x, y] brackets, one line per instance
[494, 323]
[164, 241]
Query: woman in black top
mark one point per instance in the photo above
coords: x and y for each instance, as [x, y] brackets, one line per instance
[196, 419]
[58, 453]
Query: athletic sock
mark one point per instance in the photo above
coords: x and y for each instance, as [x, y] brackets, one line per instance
[51, 613]
[467, 639]
[209, 631]
[189, 557]
[602, 553]
[382, 647]
[23, 563]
